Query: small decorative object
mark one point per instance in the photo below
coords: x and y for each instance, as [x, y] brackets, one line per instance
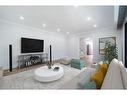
[104, 41]
[56, 69]
[49, 65]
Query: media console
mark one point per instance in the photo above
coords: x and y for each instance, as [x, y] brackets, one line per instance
[25, 60]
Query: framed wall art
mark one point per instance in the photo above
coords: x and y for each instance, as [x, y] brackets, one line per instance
[103, 41]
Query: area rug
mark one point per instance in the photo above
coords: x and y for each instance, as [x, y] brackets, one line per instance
[25, 80]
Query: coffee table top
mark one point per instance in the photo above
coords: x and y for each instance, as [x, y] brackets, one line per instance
[45, 72]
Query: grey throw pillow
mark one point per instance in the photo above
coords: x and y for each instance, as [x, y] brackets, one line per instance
[90, 85]
[83, 81]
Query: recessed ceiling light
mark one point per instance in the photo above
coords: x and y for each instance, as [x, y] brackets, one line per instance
[88, 18]
[44, 25]
[58, 29]
[21, 17]
[67, 32]
[95, 25]
[76, 5]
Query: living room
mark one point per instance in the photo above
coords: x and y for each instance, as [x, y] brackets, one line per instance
[68, 34]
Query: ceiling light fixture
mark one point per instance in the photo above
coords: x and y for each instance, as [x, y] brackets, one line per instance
[44, 25]
[95, 25]
[21, 17]
[88, 18]
[76, 5]
[58, 29]
[67, 32]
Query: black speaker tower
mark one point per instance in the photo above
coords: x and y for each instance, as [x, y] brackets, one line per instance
[10, 58]
[50, 53]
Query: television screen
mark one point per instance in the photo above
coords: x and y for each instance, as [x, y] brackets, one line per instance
[29, 45]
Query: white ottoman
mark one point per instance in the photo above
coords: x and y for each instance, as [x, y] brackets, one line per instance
[43, 74]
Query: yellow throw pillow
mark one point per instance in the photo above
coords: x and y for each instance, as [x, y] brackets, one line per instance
[99, 76]
[104, 68]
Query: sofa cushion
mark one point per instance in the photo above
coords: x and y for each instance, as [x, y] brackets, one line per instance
[114, 61]
[104, 68]
[77, 63]
[90, 85]
[121, 64]
[84, 80]
[64, 61]
[98, 77]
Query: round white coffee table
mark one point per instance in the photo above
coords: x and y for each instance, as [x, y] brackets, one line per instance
[43, 74]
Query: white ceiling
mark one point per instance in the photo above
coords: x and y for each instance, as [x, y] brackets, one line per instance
[67, 18]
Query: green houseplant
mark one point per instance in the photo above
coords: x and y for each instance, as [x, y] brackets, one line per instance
[111, 52]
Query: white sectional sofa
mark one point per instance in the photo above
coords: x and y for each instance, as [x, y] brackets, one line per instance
[116, 77]
[113, 78]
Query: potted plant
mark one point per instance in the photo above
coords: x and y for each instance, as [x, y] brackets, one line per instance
[111, 52]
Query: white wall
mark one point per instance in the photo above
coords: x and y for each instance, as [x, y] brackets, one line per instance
[95, 35]
[11, 33]
[73, 46]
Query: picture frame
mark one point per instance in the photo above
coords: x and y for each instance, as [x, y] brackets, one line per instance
[103, 41]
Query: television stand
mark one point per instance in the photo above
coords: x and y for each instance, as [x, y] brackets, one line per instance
[25, 60]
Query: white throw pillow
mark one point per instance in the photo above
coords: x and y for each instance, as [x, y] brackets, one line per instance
[114, 61]
[121, 64]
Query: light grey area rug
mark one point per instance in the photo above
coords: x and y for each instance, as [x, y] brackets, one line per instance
[25, 80]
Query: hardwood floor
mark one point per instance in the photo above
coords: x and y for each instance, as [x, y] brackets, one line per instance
[17, 70]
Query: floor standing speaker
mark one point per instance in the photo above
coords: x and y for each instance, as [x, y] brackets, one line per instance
[50, 53]
[10, 58]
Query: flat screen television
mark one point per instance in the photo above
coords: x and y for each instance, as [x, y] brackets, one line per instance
[29, 45]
